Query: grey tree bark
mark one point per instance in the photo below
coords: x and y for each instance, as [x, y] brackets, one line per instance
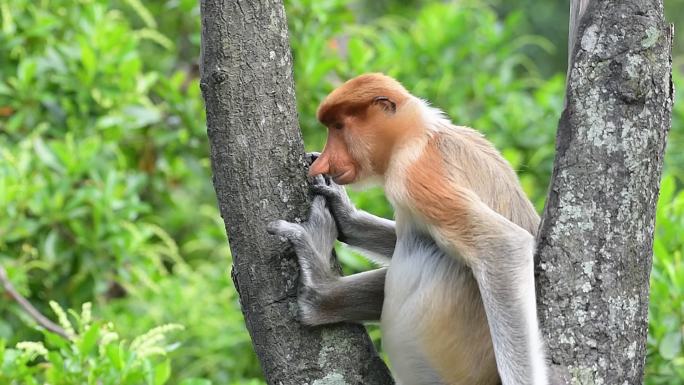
[595, 243]
[258, 165]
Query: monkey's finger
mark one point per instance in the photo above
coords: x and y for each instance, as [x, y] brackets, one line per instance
[335, 194]
[320, 219]
[319, 180]
[299, 236]
[285, 229]
[312, 156]
[326, 191]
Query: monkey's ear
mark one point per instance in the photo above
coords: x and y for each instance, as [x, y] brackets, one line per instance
[385, 103]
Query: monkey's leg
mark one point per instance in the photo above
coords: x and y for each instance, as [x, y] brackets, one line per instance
[354, 298]
[324, 296]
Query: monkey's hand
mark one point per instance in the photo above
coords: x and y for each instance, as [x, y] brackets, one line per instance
[345, 213]
[343, 210]
[356, 227]
[313, 242]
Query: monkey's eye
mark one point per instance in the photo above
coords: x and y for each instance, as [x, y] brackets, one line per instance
[386, 104]
[338, 126]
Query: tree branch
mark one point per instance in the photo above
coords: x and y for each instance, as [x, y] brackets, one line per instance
[27, 307]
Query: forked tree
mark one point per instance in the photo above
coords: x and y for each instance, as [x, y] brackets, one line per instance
[595, 244]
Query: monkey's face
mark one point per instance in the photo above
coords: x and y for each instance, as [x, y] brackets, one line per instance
[359, 142]
[344, 156]
[362, 117]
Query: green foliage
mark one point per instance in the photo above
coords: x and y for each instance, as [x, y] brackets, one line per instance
[105, 182]
[93, 354]
[666, 319]
[215, 342]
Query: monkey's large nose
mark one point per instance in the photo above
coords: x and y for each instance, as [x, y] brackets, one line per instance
[319, 166]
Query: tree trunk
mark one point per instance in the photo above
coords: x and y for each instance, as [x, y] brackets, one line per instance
[595, 243]
[258, 164]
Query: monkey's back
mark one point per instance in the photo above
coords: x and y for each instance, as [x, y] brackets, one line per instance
[434, 325]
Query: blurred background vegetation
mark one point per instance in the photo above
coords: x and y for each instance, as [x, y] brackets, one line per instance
[106, 202]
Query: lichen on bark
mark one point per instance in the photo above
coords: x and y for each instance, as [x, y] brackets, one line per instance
[595, 243]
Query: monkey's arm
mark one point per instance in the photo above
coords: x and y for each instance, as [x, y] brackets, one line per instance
[324, 296]
[500, 254]
[358, 228]
[504, 272]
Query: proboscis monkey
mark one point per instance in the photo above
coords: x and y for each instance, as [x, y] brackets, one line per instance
[457, 300]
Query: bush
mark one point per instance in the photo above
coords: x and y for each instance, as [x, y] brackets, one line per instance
[105, 181]
[93, 353]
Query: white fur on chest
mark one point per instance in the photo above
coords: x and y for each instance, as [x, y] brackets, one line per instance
[409, 282]
[409, 152]
[395, 177]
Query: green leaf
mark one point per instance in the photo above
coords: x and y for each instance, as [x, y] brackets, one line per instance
[49, 246]
[46, 156]
[195, 381]
[143, 13]
[155, 36]
[56, 360]
[89, 339]
[671, 345]
[8, 26]
[114, 354]
[142, 116]
[513, 157]
[27, 71]
[89, 60]
[55, 340]
[667, 188]
[162, 372]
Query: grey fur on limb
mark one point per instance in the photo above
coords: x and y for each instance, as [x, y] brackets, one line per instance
[374, 235]
[324, 296]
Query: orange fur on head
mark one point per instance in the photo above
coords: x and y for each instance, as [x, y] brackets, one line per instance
[366, 117]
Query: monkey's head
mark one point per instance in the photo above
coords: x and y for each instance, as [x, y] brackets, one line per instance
[366, 118]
